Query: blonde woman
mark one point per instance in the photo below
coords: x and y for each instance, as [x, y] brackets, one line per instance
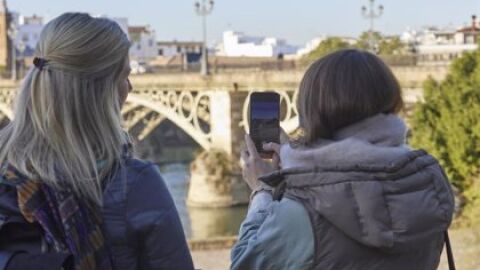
[69, 180]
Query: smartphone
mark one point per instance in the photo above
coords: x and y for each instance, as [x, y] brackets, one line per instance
[264, 120]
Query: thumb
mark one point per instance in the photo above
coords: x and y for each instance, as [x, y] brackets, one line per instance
[275, 147]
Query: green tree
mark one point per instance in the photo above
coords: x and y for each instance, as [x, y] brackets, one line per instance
[384, 45]
[325, 47]
[364, 40]
[447, 125]
[391, 46]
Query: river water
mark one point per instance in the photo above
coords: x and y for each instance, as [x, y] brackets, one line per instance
[200, 223]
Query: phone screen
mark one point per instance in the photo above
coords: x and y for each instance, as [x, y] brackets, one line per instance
[264, 120]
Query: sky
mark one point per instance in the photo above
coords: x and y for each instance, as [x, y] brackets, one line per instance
[297, 21]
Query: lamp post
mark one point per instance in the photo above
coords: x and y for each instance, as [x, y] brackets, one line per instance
[371, 14]
[12, 33]
[21, 50]
[204, 8]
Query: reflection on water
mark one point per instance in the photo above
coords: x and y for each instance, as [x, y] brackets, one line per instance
[200, 223]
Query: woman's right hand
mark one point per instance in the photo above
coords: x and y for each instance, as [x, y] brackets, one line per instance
[253, 166]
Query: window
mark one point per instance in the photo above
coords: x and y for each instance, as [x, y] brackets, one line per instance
[179, 49]
[139, 46]
[150, 43]
[160, 52]
[470, 39]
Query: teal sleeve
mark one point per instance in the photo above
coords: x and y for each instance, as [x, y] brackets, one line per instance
[274, 235]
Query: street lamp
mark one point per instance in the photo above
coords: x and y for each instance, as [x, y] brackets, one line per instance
[203, 9]
[12, 33]
[21, 50]
[369, 13]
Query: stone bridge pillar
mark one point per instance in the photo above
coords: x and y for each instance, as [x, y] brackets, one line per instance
[215, 174]
[226, 115]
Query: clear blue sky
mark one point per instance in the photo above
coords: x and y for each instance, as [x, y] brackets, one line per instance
[295, 20]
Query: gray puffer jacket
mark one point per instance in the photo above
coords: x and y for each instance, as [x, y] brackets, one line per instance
[372, 202]
[390, 216]
[362, 201]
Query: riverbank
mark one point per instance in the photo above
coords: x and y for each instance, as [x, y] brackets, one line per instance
[216, 254]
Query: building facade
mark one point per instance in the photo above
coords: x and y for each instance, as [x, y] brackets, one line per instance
[4, 40]
[175, 48]
[433, 45]
[28, 35]
[144, 45]
[237, 44]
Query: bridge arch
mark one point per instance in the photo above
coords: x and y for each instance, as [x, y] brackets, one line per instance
[189, 124]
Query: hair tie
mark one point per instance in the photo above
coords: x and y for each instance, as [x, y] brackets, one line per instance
[39, 62]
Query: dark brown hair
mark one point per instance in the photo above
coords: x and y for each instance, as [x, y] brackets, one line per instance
[342, 88]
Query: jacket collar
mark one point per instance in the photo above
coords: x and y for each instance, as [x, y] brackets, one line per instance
[379, 139]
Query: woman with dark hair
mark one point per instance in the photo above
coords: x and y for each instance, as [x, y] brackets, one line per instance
[350, 193]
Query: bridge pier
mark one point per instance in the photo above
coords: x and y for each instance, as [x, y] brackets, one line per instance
[216, 179]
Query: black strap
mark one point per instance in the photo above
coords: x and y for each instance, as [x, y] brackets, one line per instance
[451, 262]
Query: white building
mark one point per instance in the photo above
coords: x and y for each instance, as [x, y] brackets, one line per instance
[144, 46]
[237, 44]
[28, 33]
[174, 48]
[434, 45]
[29, 29]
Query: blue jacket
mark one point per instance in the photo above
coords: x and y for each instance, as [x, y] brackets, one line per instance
[141, 223]
[274, 235]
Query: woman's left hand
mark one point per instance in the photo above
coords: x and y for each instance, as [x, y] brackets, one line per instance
[253, 166]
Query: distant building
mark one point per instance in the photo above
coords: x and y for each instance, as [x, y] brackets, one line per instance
[144, 46]
[29, 29]
[434, 45]
[174, 48]
[237, 44]
[4, 41]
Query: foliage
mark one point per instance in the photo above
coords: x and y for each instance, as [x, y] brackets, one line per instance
[471, 213]
[384, 45]
[391, 46]
[364, 40]
[447, 125]
[327, 46]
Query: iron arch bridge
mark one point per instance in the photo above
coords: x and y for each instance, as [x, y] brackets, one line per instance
[213, 118]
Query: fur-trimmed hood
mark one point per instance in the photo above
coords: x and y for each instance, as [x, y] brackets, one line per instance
[377, 140]
[370, 185]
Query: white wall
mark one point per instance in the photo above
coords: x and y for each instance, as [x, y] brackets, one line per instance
[445, 48]
[237, 44]
[144, 49]
[28, 34]
[168, 50]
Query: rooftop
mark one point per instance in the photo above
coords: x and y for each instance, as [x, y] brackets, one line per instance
[179, 43]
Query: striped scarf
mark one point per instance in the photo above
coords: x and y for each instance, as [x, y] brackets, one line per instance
[70, 224]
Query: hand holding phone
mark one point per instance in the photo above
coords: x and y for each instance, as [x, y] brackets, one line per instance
[264, 120]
